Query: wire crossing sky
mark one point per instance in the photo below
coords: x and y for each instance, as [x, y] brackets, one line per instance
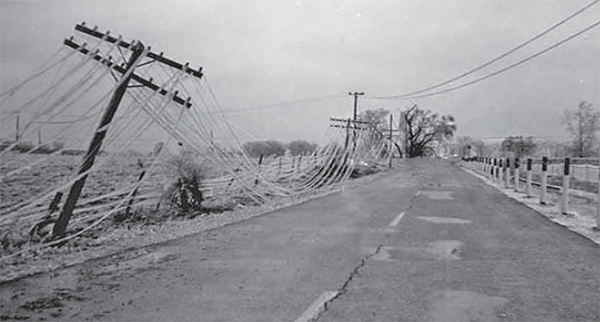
[462, 75]
[413, 96]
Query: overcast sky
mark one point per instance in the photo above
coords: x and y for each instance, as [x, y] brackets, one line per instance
[261, 52]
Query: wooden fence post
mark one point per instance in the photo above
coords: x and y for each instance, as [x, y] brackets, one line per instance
[132, 199]
[517, 178]
[544, 180]
[564, 202]
[529, 175]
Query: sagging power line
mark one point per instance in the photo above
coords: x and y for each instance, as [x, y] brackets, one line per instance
[502, 70]
[490, 62]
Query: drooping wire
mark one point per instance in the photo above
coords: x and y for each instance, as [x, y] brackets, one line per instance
[520, 62]
[469, 72]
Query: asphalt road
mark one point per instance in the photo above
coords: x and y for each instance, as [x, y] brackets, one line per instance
[425, 242]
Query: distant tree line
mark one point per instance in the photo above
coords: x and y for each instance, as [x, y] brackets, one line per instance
[273, 148]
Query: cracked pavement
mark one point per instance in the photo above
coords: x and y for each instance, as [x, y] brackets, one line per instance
[461, 251]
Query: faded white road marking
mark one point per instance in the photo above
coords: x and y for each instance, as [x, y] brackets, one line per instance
[444, 220]
[418, 193]
[438, 195]
[317, 306]
[396, 220]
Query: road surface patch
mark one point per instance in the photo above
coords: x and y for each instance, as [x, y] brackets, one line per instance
[450, 305]
[317, 306]
[444, 220]
[437, 194]
[383, 254]
[396, 220]
[445, 249]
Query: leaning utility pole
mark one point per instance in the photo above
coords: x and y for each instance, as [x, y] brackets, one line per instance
[138, 53]
[355, 94]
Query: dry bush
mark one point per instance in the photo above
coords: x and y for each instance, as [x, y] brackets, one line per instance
[185, 177]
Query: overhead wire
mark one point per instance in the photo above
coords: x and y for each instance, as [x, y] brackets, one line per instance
[520, 62]
[490, 62]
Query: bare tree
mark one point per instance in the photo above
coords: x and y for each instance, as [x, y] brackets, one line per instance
[583, 123]
[423, 128]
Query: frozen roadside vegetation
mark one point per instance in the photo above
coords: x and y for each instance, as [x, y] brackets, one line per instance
[107, 241]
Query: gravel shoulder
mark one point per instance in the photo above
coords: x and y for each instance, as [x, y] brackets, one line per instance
[581, 215]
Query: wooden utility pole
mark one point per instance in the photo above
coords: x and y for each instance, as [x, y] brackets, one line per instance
[355, 94]
[347, 135]
[61, 224]
[137, 50]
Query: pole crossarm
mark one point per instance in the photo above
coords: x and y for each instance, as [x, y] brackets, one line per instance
[351, 127]
[122, 70]
[346, 120]
[106, 37]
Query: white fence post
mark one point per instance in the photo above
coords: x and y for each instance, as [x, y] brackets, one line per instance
[564, 203]
[543, 180]
[529, 174]
[482, 164]
[517, 174]
[499, 172]
[506, 173]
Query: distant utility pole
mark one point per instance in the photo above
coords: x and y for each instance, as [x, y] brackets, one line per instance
[138, 53]
[355, 94]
